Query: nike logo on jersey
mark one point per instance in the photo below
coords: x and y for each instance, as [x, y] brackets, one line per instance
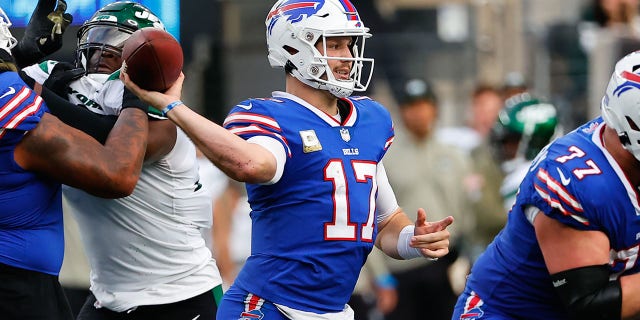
[565, 181]
[246, 106]
[9, 92]
[196, 318]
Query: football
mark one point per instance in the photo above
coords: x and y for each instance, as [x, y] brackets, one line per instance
[153, 59]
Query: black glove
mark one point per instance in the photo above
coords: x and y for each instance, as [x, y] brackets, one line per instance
[43, 35]
[130, 100]
[60, 77]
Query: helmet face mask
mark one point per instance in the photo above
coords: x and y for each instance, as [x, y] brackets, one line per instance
[524, 126]
[298, 32]
[7, 41]
[108, 29]
[621, 103]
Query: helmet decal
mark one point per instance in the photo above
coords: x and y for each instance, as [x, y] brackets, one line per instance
[634, 82]
[109, 28]
[294, 10]
[527, 121]
[351, 11]
[619, 106]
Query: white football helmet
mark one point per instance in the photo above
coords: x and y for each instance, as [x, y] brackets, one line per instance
[621, 102]
[7, 41]
[295, 26]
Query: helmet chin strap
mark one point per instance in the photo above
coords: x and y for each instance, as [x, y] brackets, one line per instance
[338, 92]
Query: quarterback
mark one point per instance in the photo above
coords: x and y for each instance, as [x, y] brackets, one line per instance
[311, 157]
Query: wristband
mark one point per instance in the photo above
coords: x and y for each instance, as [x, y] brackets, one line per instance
[170, 107]
[404, 248]
[404, 239]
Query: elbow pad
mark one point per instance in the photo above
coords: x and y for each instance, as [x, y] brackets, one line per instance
[588, 293]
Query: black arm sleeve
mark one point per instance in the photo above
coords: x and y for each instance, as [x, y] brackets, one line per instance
[96, 125]
[588, 294]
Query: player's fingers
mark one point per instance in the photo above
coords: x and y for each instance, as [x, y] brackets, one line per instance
[439, 253]
[127, 81]
[424, 240]
[422, 218]
[442, 224]
[176, 89]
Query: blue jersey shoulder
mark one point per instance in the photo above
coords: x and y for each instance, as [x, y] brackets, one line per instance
[566, 180]
[20, 107]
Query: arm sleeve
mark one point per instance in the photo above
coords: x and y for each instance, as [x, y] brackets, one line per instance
[276, 148]
[95, 125]
[386, 202]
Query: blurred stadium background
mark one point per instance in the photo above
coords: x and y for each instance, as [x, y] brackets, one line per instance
[554, 46]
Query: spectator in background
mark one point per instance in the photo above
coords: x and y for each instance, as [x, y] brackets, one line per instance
[514, 83]
[231, 225]
[524, 127]
[423, 170]
[486, 103]
[375, 294]
[615, 14]
[486, 177]
[610, 29]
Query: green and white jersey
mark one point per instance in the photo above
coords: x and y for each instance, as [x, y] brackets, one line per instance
[100, 93]
[146, 248]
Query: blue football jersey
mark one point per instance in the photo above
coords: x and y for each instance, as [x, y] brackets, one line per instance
[31, 231]
[313, 229]
[575, 181]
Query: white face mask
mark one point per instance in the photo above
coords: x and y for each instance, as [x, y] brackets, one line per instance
[98, 77]
[7, 41]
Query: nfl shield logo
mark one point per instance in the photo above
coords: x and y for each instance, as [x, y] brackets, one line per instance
[344, 133]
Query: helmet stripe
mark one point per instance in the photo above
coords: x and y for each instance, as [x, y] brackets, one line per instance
[350, 10]
[292, 6]
[631, 76]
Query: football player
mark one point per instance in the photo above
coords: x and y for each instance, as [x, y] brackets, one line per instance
[158, 227]
[524, 126]
[570, 247]
[37, 153]
[311, 157]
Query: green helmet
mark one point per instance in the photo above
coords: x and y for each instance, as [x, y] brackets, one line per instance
[525, 123]
[110, 26]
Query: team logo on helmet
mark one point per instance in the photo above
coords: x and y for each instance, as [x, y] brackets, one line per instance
[633, 81]
[294, 10]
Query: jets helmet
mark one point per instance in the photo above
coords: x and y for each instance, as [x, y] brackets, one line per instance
[526, 122]
[621, 103]
[294, 27]
[109, 27]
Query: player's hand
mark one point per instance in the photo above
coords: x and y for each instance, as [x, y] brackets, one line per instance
[158, 100]
[60, 77]
[431, 237]
[44, 32]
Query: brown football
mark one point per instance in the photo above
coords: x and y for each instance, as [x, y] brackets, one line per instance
[154, 59]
